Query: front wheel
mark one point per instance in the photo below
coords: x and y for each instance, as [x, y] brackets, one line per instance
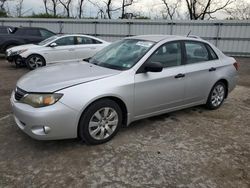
[100, 122]
[216, 96]
[35, 61]
[18, 62]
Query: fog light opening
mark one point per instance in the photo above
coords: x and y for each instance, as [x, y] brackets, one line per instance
[46, 129]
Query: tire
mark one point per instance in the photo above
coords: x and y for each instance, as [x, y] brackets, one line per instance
[18, 62]
[34, 61]
[100, 122]
[216, 96]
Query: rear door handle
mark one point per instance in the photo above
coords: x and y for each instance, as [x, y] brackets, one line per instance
[212, 69]
[71, 49]
[180, 75]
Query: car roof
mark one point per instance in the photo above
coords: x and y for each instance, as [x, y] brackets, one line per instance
[158, 38]
[154, 38]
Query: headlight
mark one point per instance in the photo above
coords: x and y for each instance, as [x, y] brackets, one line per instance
[41, 100]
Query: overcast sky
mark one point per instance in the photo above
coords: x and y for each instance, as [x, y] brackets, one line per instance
[150, 8]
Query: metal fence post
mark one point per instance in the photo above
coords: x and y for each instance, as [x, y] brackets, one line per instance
[60, 26]
[129, 29]
[30, 23]
[218, 33]
[95, 28]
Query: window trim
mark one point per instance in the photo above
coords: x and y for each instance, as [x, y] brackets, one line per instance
[141, 69]
[210, 55]
[206, 46]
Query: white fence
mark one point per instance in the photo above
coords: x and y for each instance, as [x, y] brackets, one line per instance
[232, 37]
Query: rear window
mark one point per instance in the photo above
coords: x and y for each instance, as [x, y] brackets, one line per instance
[196, 52]
[212, 53]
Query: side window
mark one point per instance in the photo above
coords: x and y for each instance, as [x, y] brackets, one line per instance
[45, 34]
[196, 52]
[211, 51]
[169, 54]
[32, 32]
[65, 41]
[86, 40]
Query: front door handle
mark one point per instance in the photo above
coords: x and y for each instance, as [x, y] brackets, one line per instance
[180, 75]
[212, 69]
[72, 49]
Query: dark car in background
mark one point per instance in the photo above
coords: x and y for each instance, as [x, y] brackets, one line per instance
[7, 29]
[23, 35]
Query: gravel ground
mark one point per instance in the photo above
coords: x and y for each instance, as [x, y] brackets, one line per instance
[188, 148]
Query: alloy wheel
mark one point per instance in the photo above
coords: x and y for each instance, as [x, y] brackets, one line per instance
[218, 95]
[103, 123]
[35, 62]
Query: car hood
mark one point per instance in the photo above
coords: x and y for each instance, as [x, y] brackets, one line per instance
[56, 77]
[23, 47]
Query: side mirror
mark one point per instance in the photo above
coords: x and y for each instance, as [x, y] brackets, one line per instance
[52, 45]
[153, 67]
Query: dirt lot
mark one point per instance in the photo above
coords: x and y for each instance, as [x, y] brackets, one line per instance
[189, 148]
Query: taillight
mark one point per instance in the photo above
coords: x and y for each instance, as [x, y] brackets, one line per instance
[236, 66]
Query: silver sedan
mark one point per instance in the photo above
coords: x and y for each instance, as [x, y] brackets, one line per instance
[131, 79]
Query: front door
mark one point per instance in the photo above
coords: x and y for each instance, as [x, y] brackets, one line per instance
[161, 91]
[63, 52]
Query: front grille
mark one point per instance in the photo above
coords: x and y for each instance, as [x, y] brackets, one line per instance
[19, 93]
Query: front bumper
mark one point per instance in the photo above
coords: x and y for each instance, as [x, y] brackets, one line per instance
[13, 58]
[53, 122]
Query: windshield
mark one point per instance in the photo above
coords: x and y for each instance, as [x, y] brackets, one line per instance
[48, 40]
[122, 55]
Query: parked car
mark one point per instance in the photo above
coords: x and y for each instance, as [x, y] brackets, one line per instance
[6, 30]
[23, 35]
[58, 48]
[131, 79]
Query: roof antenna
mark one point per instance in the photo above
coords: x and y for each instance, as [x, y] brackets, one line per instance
[189, 33]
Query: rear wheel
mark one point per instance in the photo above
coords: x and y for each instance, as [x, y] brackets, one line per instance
[216, 96]
[35, 61]
[100, 122]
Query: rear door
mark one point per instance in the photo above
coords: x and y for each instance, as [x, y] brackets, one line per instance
[87, 47]
[156, 92]
[200, 71]
[63, 52]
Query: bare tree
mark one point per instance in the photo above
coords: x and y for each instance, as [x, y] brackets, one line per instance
[45, 3]
[54, 4]
[171, 8]
[19, 8]
[110, 8]
[240, 11]
[125, 3]
[66, 4]
[101, 9]
[80, 4]
[2, 3]
[201, 9]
